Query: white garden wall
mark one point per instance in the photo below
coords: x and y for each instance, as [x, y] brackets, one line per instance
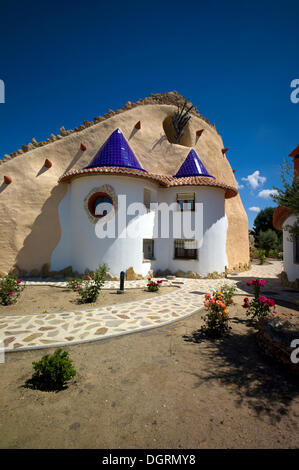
[290, 266]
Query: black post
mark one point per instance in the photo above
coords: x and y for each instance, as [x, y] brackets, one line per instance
[122, 281]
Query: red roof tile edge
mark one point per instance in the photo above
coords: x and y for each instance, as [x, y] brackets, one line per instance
[163, 180]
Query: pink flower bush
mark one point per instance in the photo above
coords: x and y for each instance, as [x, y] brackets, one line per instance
[88, 287]
[10, 289]
[260, 306]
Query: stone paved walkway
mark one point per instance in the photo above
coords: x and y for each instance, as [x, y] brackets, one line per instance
[34, 331]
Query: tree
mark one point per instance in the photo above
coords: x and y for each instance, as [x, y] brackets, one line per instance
[268, 240]
[264, 222]
[289, 195]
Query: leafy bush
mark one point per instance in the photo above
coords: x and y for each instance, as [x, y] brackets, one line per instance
[88, 287]
[275, 254]
[228, 291]
[10, 289]
[267, 240]
[260, 306]
[53, 371]
[216, 320]
[153, 286]
[261, 256]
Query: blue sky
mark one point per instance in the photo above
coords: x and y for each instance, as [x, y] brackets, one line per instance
[63, 62]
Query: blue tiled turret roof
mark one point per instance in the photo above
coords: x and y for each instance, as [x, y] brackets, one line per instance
[192, 166]
[115, 152]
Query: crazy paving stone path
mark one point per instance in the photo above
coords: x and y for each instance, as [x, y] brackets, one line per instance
[35, 331]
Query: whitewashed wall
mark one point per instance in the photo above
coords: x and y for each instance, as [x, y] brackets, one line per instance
[80, 247]
[290, 267]
[212, 252]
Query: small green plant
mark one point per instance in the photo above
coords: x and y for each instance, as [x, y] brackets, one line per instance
[10, 289]
[228, 291]
[273, 254]
[261, 256]
[216, 320]
[88, 287]
[53, 371]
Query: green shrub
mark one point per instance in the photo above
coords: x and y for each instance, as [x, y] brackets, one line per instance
[53, 371]
[10, 289]
[261, 256]
[273, 254]
[88, 287]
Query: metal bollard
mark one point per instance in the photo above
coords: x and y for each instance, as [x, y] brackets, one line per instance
[121, 283]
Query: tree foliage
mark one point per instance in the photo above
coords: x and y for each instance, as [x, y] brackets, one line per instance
[264, 222]
[268, 240]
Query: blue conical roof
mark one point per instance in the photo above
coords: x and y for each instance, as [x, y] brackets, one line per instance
[192, 166]
[115, 152]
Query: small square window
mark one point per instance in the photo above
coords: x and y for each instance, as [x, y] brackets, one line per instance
[186, 201]
[148, 249]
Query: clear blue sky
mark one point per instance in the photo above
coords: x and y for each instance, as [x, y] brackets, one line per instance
[63, 62]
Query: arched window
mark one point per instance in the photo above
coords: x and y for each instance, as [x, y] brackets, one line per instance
[100, 204]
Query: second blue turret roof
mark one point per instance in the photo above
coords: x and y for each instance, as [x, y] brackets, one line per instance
[192, 166]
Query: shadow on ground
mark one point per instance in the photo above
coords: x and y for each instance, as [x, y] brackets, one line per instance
[237, 362]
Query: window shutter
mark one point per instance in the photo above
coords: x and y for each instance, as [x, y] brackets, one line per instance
[185, 197]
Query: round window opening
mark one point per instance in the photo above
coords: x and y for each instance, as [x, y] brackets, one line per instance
[100, 204]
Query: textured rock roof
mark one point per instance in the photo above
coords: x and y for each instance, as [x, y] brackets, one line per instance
[171, 98]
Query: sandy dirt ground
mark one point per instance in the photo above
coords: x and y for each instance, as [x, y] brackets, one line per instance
[45, 299]
[156, 389]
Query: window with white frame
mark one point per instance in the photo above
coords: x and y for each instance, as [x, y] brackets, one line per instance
[185, 249]
[186, 201]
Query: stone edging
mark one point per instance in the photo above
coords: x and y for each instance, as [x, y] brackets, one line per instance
[275, 349]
